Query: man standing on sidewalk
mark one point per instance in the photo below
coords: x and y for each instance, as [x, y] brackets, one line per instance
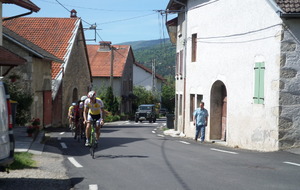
[200, 120]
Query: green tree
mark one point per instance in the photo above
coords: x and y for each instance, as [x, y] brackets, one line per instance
[24, 99]
[110, 101]
[168, 94]
[144, 96]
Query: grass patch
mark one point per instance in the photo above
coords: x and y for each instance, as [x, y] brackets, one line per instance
[22, 160]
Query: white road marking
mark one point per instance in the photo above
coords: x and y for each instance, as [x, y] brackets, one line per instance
[161, 135]
[292, 163]
[153, 132]
[74, 162]
[63, 145]
[93, 187]
[224, 151]
[184, 142]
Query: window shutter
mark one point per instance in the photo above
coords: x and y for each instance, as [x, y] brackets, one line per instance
[261, 82]
[256, 83]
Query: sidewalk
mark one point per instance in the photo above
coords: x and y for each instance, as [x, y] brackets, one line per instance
[23, 143]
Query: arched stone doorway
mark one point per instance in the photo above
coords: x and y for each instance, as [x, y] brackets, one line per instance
[218, 111]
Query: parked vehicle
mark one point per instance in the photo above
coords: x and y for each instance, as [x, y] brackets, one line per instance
[163, 111]
[7, 142]
[146, 112]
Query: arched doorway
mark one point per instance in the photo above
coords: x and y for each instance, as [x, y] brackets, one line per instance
[218, 111]
[75, 95]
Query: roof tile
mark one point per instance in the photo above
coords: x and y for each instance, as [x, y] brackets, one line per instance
[100, 61]
[289, 6]
[51, 34]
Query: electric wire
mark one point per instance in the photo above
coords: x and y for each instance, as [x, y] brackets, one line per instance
[96, 9]
[121, 20]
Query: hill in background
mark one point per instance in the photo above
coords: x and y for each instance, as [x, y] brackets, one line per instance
[161, 51]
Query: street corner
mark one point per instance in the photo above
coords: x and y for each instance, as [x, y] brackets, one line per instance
[173, 133]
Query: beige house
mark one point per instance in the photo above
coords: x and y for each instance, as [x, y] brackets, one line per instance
[63, 38]
[35, 75]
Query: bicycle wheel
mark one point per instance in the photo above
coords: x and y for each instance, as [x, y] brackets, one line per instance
[92, 142]
[92, 149]
[78, 132]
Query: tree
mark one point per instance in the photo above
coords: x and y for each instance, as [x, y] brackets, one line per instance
[168, 94]
[18, 93]
[144, 96]
[110, 101]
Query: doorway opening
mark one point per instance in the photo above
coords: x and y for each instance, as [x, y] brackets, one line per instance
[218, 111]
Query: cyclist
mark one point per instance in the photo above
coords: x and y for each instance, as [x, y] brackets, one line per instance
[93, 109]
[71, 115]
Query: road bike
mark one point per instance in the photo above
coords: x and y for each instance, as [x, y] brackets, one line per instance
[79, 131]
[93, 144]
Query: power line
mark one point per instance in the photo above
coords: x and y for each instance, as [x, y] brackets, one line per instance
[62, 5]
[97, 9]
[109, 22]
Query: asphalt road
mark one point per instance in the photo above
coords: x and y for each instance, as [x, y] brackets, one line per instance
[134, 156]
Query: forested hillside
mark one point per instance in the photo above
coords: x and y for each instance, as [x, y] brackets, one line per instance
[162, 51]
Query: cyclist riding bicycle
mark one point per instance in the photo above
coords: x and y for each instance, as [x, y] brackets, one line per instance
[73, 115]
[93, 110]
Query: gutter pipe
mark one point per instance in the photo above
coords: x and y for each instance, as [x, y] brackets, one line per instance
[17, 16]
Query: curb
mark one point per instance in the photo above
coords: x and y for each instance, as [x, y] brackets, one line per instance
[37, 147]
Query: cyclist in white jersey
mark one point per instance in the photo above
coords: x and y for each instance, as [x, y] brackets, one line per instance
[93, 109]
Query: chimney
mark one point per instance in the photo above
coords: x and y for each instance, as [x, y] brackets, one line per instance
[73, 13]
[104, 46]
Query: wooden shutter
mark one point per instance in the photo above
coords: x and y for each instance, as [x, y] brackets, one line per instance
[259, 71]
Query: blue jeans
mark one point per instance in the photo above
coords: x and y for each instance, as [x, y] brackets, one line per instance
[200, 129]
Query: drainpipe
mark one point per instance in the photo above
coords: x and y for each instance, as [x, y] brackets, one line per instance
[184, 72]
[17, 16]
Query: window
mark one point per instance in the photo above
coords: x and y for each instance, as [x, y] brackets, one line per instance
[194, 47]
[181, 62]
[199, 99]
[259, 71]
[177, 63]
[180, 104]
[192, 106]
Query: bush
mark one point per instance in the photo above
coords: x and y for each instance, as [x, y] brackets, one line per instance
[24, 99]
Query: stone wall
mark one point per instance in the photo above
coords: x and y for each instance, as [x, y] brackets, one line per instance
[289, 98]
[35, 77]
[77, 75]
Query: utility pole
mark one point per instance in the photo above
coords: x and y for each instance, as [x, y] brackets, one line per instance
[153, 76]
[111, 66]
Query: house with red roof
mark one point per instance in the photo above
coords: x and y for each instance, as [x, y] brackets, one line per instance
[63, 38]
[34, 76]
[112, 65]
[8, 59]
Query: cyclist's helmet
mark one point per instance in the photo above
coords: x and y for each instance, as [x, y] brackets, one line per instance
[91, 94]
[83, 98]
[74, 104]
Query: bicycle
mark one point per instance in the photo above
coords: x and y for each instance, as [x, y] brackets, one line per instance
[79, 132]
[93, 145]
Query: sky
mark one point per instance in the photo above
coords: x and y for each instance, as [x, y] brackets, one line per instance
[117, 21]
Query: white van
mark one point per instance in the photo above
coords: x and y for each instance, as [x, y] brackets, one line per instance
[7, 143]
